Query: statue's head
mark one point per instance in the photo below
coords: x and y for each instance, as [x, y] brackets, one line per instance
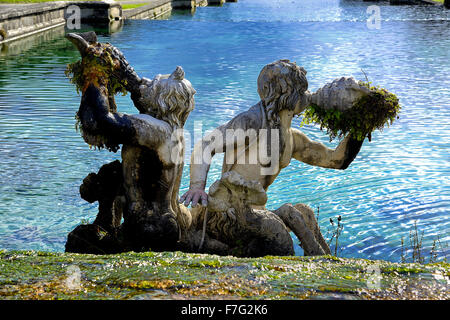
[168, 97]
[282, 85]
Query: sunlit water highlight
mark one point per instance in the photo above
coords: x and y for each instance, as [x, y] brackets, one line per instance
[399, 178]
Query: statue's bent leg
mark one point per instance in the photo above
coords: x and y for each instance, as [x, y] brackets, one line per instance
[313, 225]
[295, 220]
[106, 188]
[268, 235]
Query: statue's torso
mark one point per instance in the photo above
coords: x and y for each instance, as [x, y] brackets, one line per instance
[252, 164]
[152, 176]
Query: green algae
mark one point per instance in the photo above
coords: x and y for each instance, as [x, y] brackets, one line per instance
[373, 111]
[174, 275]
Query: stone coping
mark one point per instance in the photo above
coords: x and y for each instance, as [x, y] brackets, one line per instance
[127, 13]
[152, 5]
[20, 10]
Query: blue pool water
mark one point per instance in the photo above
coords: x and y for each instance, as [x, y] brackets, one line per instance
[398, 179]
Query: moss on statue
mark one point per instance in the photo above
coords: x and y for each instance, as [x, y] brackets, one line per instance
[370, 112]
[172, 275]
[99, 68]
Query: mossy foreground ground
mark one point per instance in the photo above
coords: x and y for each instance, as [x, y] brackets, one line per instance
[176, 275]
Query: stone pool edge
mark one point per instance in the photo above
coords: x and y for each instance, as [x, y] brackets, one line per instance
[21, 20]
[178, 275]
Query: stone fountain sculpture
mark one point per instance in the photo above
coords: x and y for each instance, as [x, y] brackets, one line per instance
[236, 213]
[143, 188]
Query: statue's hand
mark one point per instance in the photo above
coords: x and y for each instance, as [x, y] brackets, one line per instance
[195, 196]
[352, 148]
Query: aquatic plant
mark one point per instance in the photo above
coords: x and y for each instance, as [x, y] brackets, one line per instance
[336, 231]
[333, 233]
[416, 248]
[370, 112]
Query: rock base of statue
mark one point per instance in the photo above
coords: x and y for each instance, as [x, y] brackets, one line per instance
[233, 226]
[228, 226]
[102, 236]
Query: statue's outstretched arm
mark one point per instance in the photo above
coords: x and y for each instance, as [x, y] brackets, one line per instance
[86, 42]
[114, 127]
[337, 95]
[317, 154]
[100, 122]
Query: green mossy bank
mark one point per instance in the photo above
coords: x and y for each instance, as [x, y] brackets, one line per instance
[177, 275]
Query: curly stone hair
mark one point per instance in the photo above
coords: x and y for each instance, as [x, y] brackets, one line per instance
[169, 98]
[280, 85]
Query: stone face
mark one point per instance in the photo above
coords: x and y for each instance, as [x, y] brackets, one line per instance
[115, 12]
[99, 11]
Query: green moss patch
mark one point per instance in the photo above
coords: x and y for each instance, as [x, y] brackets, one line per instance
[133, 6]
[177, 275]
[373, 111]
[98, 68]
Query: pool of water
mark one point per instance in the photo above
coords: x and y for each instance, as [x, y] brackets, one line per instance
[398, 179]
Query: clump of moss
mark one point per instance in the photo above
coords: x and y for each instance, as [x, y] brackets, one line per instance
[370, 112]
[99, 68]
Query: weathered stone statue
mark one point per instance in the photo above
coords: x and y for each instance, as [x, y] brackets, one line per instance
[143, 188]
[235, 213]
